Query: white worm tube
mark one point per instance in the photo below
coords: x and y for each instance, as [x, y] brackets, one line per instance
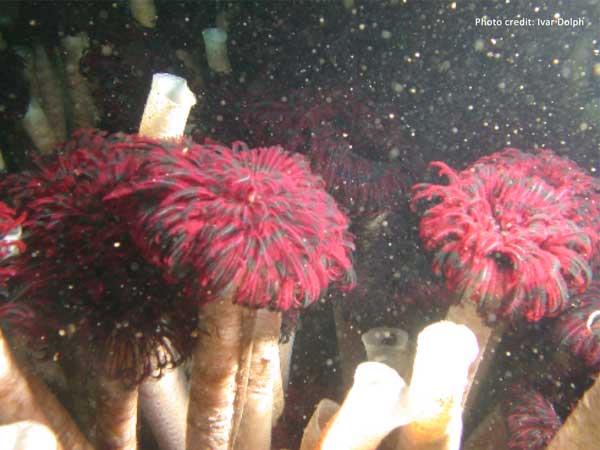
[144, 12]
[375, 405]
[27, 435]
[167, 107]
[445, 351]
[164, 402]
[215, 43]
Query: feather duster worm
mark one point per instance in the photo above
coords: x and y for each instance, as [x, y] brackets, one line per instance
[578, 328]
[254, 222]
[506, 233]
[254, 227]
[24, 397]
[532, 420]
[513, 233]
[351, 141]
[84, 274]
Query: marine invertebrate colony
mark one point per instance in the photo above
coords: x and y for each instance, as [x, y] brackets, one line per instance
[254, 227]
[83, 273]
[24, 397]
[256, 222]
[507, 232]
[86, 280]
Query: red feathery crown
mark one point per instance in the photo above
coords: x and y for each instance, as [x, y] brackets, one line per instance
[255, 224]
[532, 420]
[83, 275]
[514, 232]
[578, 328]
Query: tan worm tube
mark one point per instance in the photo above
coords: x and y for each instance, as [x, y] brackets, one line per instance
[248, 322]
[278, 384]
[491, 433]
[116, 424]
[164, 403]
[51, 92]
[256, 424]
[488, 337]
[25, 397]
[215, 46]
[216, 362]
[581, 431]
[2, 163]
[38, 128]
[350, 347]
[324, 412]
[82, 103]
[389, 346]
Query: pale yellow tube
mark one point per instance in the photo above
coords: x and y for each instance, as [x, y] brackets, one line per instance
[36, 124]
[144, 12]
[215, 44]
[280, 382]
[445, 351]
[167, 107]
[374, 406]
[214, 381]
[25, 397]
[2, 163]
[165, 401]
[116, 421]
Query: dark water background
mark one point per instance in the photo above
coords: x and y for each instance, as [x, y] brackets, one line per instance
[452, 89]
